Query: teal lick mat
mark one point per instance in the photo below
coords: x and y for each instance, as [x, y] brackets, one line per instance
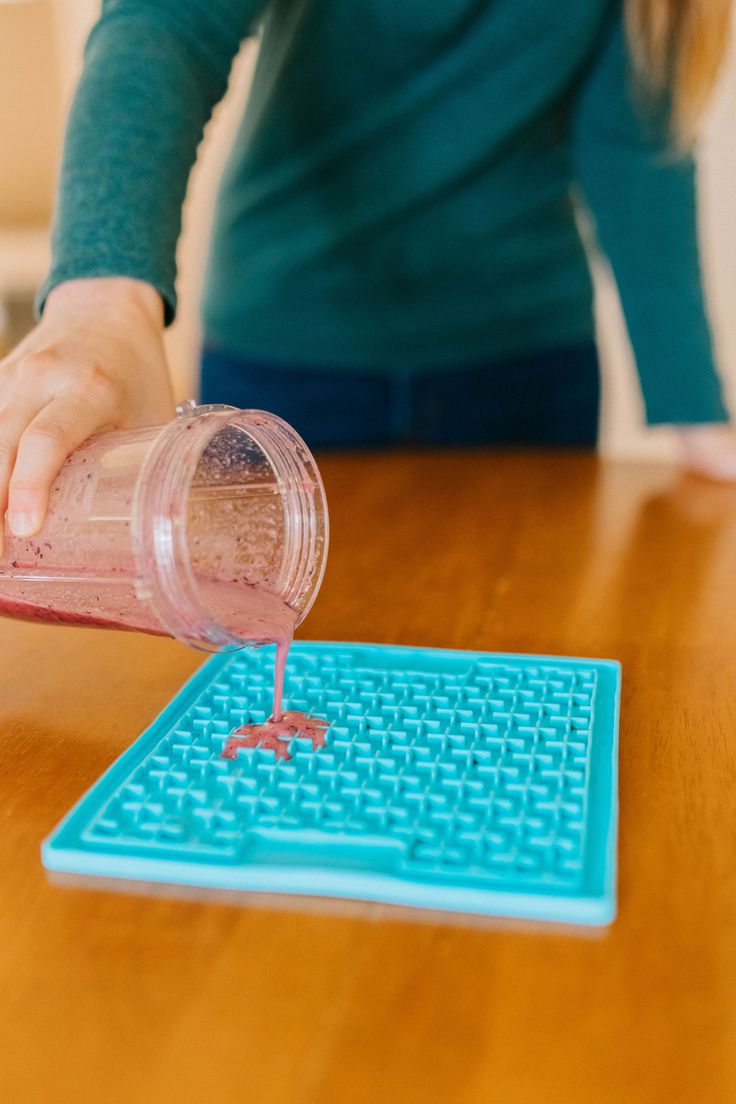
[467, 781]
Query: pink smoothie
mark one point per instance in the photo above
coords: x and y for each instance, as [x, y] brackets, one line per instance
[29, 611]
[250, 611]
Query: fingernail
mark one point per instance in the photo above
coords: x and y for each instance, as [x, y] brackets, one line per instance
[22, 525]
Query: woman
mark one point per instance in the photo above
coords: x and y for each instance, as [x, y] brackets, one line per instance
[396, 256]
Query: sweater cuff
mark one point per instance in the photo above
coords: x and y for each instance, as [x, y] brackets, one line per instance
[84, 270]
[704, 405]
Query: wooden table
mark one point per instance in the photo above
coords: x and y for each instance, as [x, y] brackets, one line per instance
[123, 998]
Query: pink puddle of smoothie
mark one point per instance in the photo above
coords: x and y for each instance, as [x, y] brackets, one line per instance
[276, 736]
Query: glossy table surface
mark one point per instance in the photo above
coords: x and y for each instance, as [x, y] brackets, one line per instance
[154, 996]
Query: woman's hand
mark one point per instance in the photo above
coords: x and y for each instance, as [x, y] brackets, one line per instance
[710, 450]
[95, 361]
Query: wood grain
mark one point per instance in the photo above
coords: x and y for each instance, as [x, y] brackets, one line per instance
[136, 998]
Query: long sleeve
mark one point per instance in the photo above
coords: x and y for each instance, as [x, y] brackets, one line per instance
[643, 199]
[154, 70]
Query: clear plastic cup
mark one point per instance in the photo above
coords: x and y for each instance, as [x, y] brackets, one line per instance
[212, 529]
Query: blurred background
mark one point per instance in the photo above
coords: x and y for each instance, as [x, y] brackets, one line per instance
[41, 43]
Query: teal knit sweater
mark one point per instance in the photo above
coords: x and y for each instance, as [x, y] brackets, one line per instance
[400, 193]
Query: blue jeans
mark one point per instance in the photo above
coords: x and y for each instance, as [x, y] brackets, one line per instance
[549, 398]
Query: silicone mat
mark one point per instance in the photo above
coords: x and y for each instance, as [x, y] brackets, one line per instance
[452, 780]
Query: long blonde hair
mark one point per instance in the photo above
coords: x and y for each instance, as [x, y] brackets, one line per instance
[678, 48]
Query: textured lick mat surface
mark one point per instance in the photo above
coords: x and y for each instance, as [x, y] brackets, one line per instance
[455, 780]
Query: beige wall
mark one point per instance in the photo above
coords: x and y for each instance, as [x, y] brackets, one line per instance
[29, 112]
[622, 432]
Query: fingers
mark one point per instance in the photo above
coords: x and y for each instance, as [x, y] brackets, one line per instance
[55, 431]
[13, 422]
[710, 451]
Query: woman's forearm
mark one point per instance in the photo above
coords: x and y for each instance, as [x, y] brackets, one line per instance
[152, 75]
